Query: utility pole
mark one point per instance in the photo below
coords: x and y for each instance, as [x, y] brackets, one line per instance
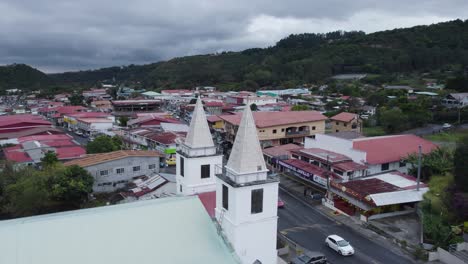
[419, 167]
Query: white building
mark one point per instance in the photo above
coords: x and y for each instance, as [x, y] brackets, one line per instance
[197, 157]
[246, 198]
[113, 170]
[259, 100]
[380, 154]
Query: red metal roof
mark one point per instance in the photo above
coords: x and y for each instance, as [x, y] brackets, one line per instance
[12, 120]
[310, 168]
[281, 150]
[323, 154]
[208, 200]
[166, 138]
[349, 166]
[268, 119]
[213, 104]
[16, 154]
[344, 117]
[213, 118]
[70, 152]
[63, 110]
[391, 148]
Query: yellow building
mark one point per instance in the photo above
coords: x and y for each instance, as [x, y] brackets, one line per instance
[279, 128]
[215, 122]
[346, 122]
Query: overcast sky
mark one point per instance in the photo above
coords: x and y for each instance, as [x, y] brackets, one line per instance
[64, 35]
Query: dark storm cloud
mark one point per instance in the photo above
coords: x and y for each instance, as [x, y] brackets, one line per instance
[58, 35]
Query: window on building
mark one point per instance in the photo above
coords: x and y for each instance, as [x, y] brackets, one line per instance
[225, 197]
[338, 172]
[345, 125]
[152, 166]
[274, 131]
[337, 123]
[256, 201]
[205, 171]
[182, 167]
[385, 167]
[282, 130]
[104, 173]
[120, 170]
[306, 159]
[295, 156]
[337, 131]
[313, 128]
[402, 164]
[180, 188]
[136, 168]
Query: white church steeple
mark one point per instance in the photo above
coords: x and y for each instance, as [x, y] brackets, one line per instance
[246, 198]
[197, 157]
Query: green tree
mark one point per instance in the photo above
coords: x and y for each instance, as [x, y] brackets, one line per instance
[103, 144]
[123, 121]
[76, 99]
[300, 108]
[393, 120]
[253, 107]
[49, 159]
[437, 162]
[461, 164]
[70, 186]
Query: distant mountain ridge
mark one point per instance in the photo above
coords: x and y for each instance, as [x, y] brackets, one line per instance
[297, 59]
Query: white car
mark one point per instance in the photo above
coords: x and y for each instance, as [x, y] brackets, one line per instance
[446, 126]
[340, 245]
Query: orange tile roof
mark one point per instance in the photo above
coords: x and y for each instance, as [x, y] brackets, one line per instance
[93, 159]
[344, 117]
[269, 119]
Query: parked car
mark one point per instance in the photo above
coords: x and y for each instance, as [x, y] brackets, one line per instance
[280, 203]
[340, 245]
[310, 257]
[316, 196]
[79, 133]
[171, 161]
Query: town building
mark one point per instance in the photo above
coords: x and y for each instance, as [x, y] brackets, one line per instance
[101, 105]
[379, 196]
[379, 154]
[286, 92]
[113, 170]
[246, 197]
[197, 157]
[88, 121]
[31, 149]
[456, 100]
[131, 106]
[346, 122]
[278, 128]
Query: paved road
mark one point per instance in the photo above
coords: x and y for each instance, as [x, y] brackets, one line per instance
[81, 140]
[308, 227]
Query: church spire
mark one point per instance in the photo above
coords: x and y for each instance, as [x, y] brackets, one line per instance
[199, 135]
[246, 155]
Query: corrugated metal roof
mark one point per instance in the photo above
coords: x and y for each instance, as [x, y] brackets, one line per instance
[405, 196]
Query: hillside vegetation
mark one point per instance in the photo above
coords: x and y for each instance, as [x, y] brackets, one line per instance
[297, 59]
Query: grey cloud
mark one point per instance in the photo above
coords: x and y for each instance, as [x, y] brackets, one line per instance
[59, 35]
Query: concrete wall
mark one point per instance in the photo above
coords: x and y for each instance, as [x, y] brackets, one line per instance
[191, 182]
[446, 257]
[109, 182]
[384, 215]
[373, 169]
[253, 236]
[339, 126]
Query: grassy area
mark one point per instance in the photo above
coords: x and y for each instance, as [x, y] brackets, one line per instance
[373, 131]
[437, 193]
[449, 136]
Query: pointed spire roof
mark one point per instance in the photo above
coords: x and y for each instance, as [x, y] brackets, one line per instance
[199, 135]
[246, 155]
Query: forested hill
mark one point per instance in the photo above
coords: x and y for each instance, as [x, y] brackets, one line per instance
[298, 59]
[22, 76]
